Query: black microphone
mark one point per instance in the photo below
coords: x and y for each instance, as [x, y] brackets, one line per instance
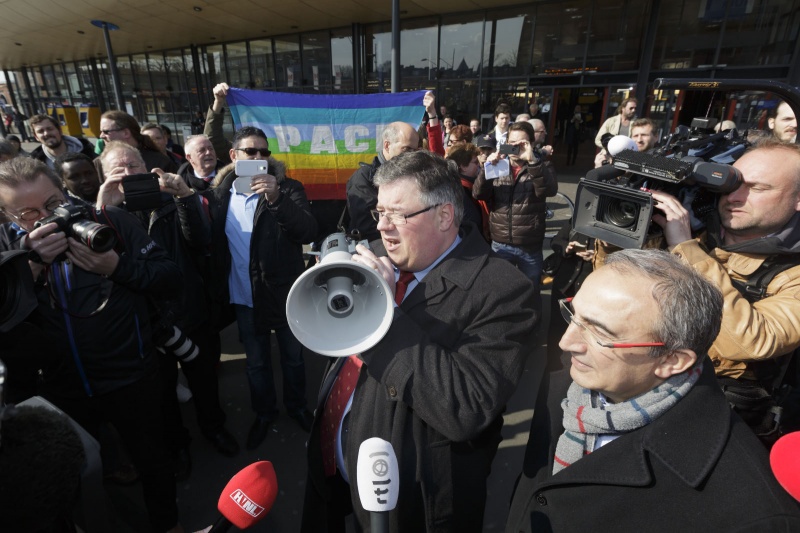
[378, 481]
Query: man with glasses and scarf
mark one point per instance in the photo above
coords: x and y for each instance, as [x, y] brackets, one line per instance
[635, 434]
[101, 365]
[257, 239]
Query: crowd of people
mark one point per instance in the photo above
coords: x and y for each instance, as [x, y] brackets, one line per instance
[637, 423]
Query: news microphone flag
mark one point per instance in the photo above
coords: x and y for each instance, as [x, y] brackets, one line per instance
[323, 138]
[248, 496]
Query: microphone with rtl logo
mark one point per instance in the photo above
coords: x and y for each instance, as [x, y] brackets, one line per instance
[378, 481]
[247, 498]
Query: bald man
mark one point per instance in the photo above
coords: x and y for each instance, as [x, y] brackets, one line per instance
[362, 195]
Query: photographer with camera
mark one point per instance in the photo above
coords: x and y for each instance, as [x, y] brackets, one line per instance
[176, 219]
[751, 251]
[102, 367]
[517, 201]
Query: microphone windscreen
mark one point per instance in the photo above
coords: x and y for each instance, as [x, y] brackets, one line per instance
[249, 495]
[785, 462]
[619, 143]
[378, 475]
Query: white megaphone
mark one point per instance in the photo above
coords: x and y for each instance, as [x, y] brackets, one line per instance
[339, 307]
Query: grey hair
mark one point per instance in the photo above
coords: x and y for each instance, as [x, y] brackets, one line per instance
[193, 139]
[119, 146]
[691, 306]
[436, 181]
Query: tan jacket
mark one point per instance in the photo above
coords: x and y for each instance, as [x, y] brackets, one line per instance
[767, 328]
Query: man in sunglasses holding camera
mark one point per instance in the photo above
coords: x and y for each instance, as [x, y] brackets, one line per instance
[517, 201]
[258, 232]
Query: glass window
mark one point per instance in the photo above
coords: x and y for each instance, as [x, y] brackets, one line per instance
[263, 65]
[559, 42]
[760, 32]
[418, 55]
[687, 35]
[287, 62]
[238, 67]
[317, 61]
[508, 50]
[378, 50]
[462, 44]
[342, 61]
[615, 41]
[72, 80]
[214, 64]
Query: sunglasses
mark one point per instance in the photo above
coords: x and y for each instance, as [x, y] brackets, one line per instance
[255, 151]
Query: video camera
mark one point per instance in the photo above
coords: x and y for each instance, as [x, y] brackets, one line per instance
[613, 202]
[73, 221]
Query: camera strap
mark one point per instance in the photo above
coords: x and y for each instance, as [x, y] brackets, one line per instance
[61, 289]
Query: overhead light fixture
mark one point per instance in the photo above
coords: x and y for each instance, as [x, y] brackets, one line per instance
[197, 8]
[18, 44]
[82, 32]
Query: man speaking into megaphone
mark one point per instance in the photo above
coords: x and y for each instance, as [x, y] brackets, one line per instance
[436, 384]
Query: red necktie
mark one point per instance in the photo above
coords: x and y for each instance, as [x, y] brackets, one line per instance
[342, 390]
[334, 410]
[402, 285]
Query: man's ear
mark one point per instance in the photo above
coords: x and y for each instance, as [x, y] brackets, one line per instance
[446, 216]
[232, 154]
[676, 363]
[771, 123]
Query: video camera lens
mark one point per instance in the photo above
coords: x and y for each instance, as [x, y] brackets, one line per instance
[621, 213]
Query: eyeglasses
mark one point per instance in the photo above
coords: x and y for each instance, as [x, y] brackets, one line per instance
[397, 219]
[106, 132]
[451, 141]
[30, 215]
[539, 131]
[255, 151]
[589, 337]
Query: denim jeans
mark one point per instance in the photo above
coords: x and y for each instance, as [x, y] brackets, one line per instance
[259, 367]
[530, 263]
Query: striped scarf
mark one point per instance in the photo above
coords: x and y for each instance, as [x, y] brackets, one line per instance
[585, 417]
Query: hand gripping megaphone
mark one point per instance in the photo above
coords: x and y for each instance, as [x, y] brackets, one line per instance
[339, 307]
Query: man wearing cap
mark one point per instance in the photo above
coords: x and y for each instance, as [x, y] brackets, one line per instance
[487, 144]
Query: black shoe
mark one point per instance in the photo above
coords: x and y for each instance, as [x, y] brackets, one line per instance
[224, 443]
[258, 432]
[183, 465]
[304, 419]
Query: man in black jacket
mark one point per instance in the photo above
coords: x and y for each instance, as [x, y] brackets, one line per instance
[181, 226]
[258, 238]
[437, 384]
[635, 434]
[103, 366]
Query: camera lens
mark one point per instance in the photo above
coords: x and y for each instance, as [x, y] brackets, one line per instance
[96, 236]
[621, 213]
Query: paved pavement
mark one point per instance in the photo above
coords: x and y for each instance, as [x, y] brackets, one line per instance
[285, 446]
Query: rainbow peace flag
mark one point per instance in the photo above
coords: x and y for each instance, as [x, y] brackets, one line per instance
[323, 138]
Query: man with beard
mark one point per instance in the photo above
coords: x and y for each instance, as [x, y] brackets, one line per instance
[54, 143]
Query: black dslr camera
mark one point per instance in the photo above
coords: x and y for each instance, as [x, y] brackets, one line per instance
[73, 221]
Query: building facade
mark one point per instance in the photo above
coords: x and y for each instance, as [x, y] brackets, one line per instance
[591, 53]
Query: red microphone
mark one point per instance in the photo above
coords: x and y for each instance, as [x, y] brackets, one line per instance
[247, 498]
[785, 462]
